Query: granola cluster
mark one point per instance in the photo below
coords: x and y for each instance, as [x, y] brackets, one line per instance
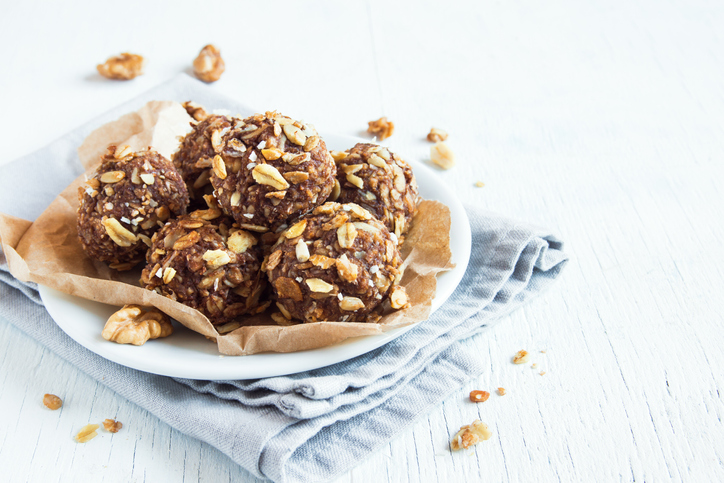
[270, 169]
[338, 263]
[209, 264]
[379, 181]
[128, 198]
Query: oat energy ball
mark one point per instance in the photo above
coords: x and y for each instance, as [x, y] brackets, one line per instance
[338, 263]
[379, 181]
[205, 262]
[130, 195]
[197, 149]
[271, 169]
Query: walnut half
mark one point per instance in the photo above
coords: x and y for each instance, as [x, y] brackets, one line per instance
[469, 435]
[133, 325]
[122, 67]
[209, 65]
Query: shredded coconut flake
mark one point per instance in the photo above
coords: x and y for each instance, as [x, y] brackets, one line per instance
[252, 156]
[159, 274]
[299, 279]
[249, 215]
[374, 269]
[250, 166]
[261, 145]
[125, 220]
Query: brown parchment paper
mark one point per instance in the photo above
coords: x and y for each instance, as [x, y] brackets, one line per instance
[47, 252]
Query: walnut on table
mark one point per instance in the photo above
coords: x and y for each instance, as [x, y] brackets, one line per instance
[436, 135]
[479, 396]
[208, 65]
[112, 426]
[521, 357]
[133, 325]
[382, 128]
[122, 67]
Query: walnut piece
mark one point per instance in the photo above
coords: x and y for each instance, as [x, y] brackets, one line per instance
[479, 396]
[442, 155]
[112, 426]
[52, 401]
[209, 65]
[87, 433]
[521, 357]
[470, 435]
[133, 325]
[122, 67]
[436, 135]
[195, 110]
[382, 128]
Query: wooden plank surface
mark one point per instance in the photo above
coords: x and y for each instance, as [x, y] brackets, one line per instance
[601, 121]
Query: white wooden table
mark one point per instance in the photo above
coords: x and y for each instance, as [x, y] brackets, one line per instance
[603, 122]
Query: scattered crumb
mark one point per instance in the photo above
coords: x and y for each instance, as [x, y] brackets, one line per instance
[479, 396]
[382, 128]
[122, 67]
[436, 135]
[479, 184]
[521, 357]
[543, 351]
[470, 435]
[501, 391]
[542, 373]
[534, 365]
[87, 433]
[52, 401]
[112, 426]
[208, 65]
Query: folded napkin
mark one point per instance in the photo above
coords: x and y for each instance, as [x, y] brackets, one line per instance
[314, 425]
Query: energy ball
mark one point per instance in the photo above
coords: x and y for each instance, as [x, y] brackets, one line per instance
[338, 263]
[205, 262]
[379, 181]
[197, 149]
[270, 170]
[130, 195]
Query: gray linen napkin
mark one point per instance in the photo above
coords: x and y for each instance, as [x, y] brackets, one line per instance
[314, 425]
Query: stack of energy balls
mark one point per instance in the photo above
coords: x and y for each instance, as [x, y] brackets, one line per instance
[254, 212]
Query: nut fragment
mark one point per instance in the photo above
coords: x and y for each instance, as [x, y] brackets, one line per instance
[216, 258]
[436, 135]
[398, 297]
[112, 426]
[268, 175]
[521, 357]
[112, 176]
[501, 391]
[219, 167]
[240, 241]
[351, 304]
[122, 67]
[382, 128]
[270, 154]
[346, 235]
[295, 135]
[52, 401]
[208, 65]
[470, 435]
[302, 251]
[442, 155]
[318, 285]
[346, 269]
[87, 433]
[479, 396]
[118, 233]
[133, 325]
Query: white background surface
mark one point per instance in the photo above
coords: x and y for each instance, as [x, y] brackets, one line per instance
[599, 120]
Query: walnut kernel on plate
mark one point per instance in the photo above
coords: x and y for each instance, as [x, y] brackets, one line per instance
[112, 426]
[436, 135]
[133, 325]
[122, 67]
[208, 65]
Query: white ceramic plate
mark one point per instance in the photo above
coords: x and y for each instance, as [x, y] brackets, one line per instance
[189, 355]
